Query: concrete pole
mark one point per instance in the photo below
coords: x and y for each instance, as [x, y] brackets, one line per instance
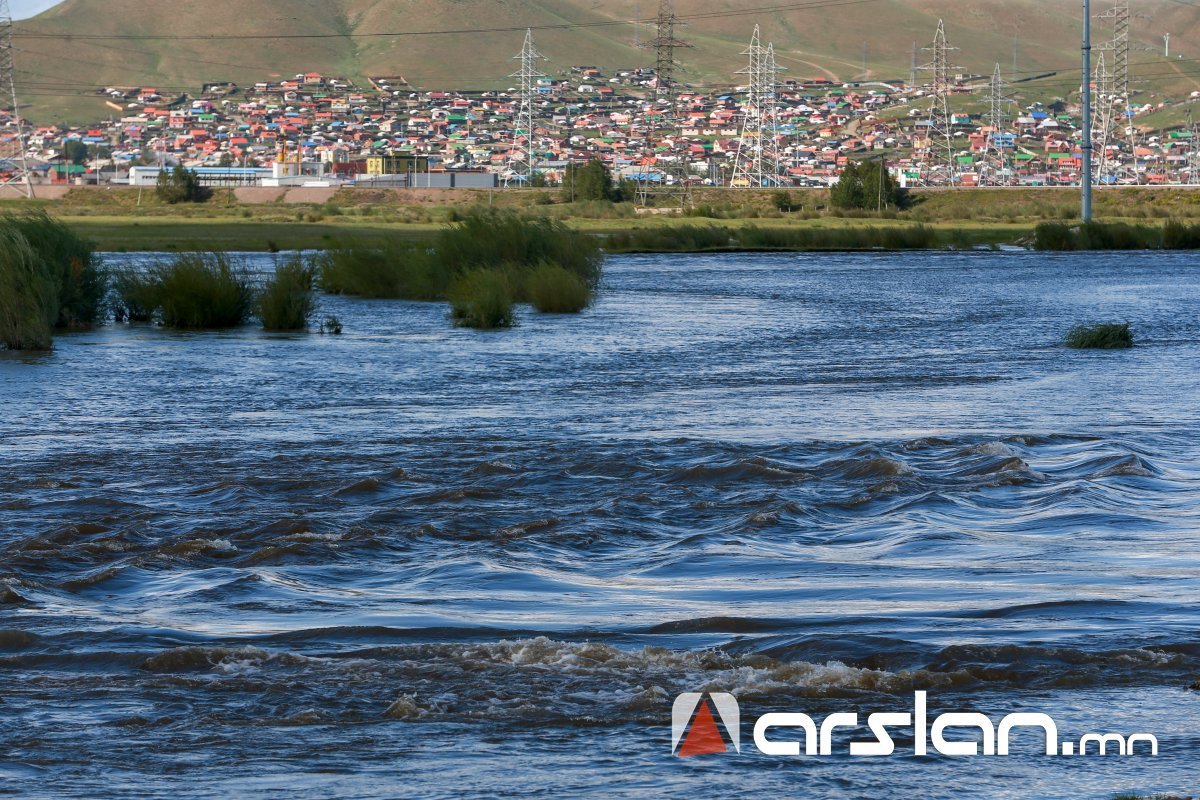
[1086, 199]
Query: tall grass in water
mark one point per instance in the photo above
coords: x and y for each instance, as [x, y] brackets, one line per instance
[137, 295]
[203, 290]
[482, 298]
[699, 238]
[502, 241]
[389, 269]
[286, 302]
[1062, 236]
[28, 300]
[1100, 337]
[554, 290]
[69, 260]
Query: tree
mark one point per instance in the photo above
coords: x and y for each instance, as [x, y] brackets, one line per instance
[180, 186]
[591, 181]
[75, 151]
[848, 191]
[867, 186]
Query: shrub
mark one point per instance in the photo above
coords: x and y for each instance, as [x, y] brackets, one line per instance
[200, 290]
[137, 294]
[590, 181]
[1053, 236]
[482, 298]
[69, 261]
[1109, 336]
[331, 325]
[286, 301]
[390, 269]
[180, 185]
[554, 290]
[28, 301]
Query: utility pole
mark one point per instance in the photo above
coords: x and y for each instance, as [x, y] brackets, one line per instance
[912, 70]
[1166, 45]
[527, 75]
[1086, 198]
[21, 177]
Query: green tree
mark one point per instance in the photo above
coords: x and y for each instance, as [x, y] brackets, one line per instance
[180, 185]
[226, 160]
[848, 191]
[590, 181]
[879, 189]
[866, 186]
[75, 151]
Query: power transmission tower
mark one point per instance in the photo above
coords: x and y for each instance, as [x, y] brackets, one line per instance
[676, 182]
[1117, 49]
[1193, 164]
[1102, 118]
[912, 70]
[528, 74]
[757, 163]
[20, 178]
[937, 150]
[995, 157]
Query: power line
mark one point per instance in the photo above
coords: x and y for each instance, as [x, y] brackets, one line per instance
[818, 4]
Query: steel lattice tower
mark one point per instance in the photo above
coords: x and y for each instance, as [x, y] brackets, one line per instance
[757, 163]
[1193, 166]
[995, 158]
[1118, 50]
[664, 44]
[20, 178]
[528, 76]
[1102, 117]
[937, 151]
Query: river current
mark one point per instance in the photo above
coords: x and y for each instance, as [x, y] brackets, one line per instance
[418, 561]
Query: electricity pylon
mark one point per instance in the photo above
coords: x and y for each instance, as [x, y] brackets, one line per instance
[664, 44]
[528, 74]
[757, 163]
[937, 151]
[19, 177]
[995, 158]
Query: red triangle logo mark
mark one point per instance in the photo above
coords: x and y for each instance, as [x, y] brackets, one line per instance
[703, 737]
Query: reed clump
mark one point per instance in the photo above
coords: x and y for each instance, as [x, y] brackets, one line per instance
[286, 302]
[1109, 336]
[391, 268]
[555, 290]
[1061, 236]
[482, 298]
[49, 279]
[204, 290]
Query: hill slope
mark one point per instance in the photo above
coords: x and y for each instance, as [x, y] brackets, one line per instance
[343, 39]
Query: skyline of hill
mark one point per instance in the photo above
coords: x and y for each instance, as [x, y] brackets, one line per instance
[355, 38]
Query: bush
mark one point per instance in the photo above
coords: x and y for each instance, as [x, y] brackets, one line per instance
[180, 185]
[286, 301]
[28, 301]
[554, 290]
[1100, 337]
[390, 269]
[80, 284]
[137, 295]
[482, 298]
[200, 290]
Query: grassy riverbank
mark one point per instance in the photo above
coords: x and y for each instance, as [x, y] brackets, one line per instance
[128, 220]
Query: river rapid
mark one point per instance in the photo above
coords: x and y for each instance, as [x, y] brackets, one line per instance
[418, 561]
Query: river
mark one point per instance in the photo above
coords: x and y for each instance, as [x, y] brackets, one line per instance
[414, 560]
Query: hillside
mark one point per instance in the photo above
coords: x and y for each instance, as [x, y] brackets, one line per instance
[343, 39]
